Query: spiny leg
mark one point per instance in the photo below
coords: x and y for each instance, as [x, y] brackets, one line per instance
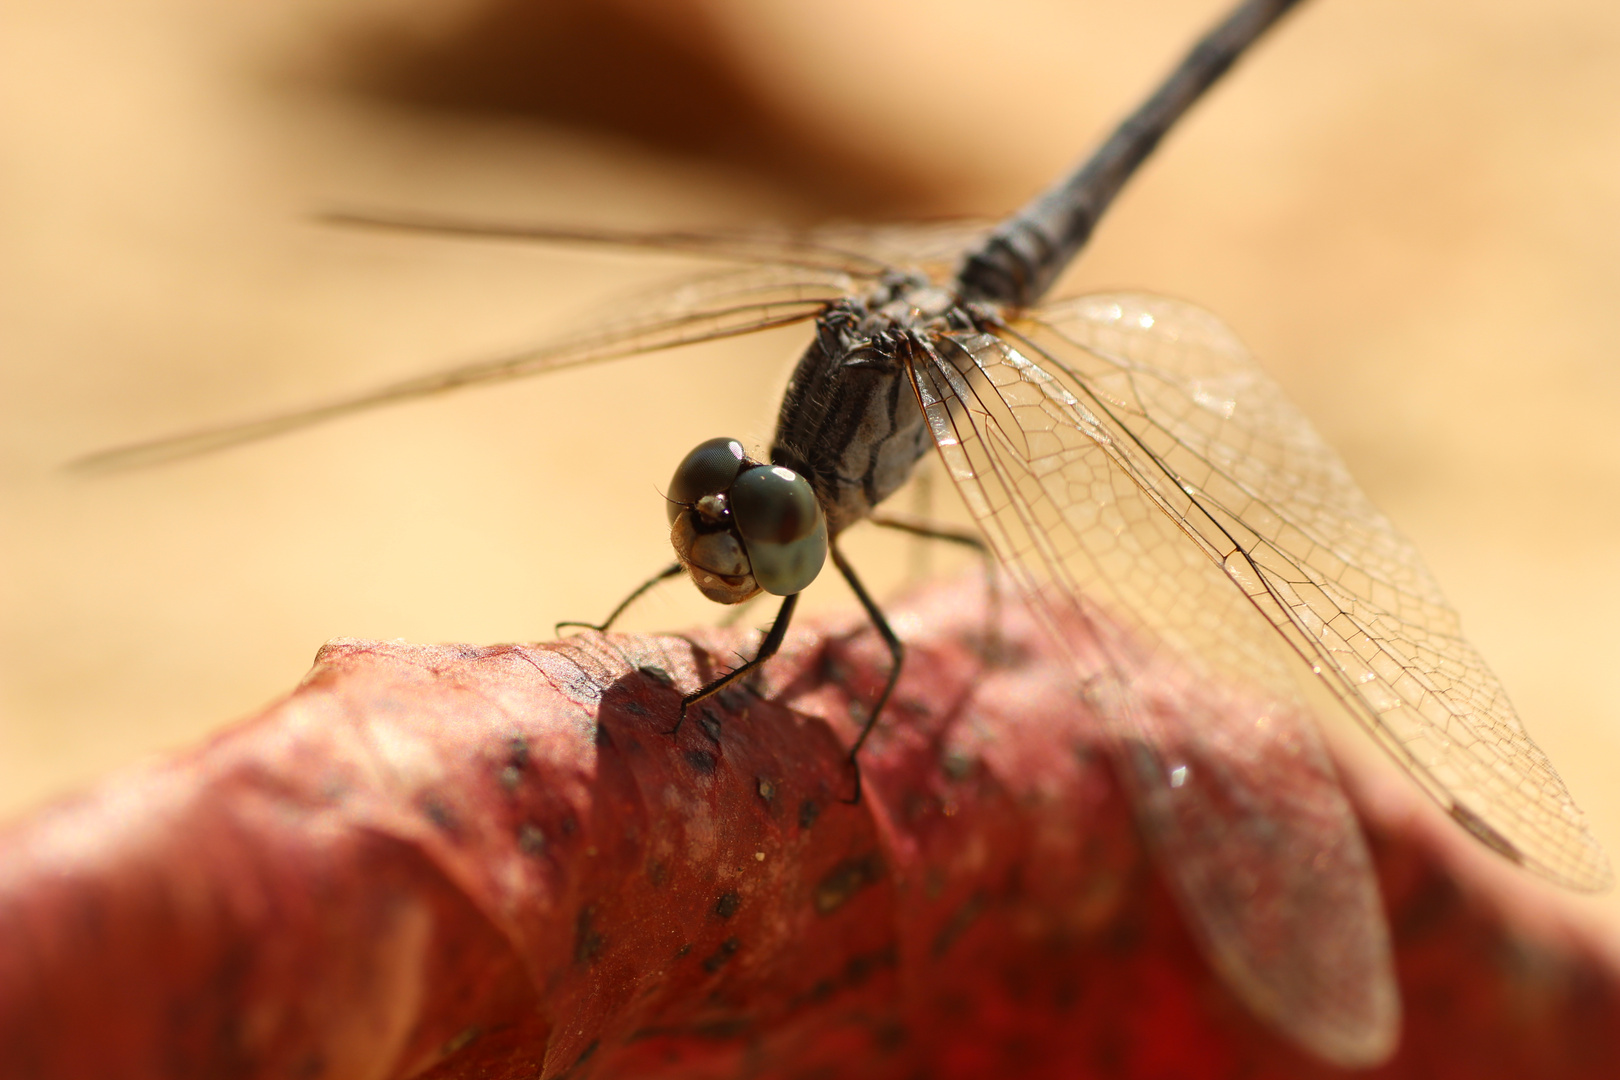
[767, 649]
[663, 575]
[897, 652]
[930, 531]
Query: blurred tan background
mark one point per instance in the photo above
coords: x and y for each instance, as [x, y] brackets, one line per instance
[1411, 212]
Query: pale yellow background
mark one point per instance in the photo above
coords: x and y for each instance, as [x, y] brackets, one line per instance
[1410, 211]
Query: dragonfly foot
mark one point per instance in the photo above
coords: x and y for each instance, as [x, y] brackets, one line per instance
[679, 720]
[855, 768]
[600, 628]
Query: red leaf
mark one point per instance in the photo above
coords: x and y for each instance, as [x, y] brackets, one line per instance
[495, 862]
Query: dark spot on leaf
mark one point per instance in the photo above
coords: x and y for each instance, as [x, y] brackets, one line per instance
[461, 1040]
[656, 674]
[634, 708]
[518, 752]
[1434, 906]
[766, 789]
[684, 950]
[569, 825]
[603, 738]
[962, 918]
[732, 699]
[531, 839]
[439, 814]
[657, 873]
[1124, 938]
[719, 957]
[957, 765]
[808, 812]
[860, 967]
[710, 723]
[714, 1030]
[511, 777]
[845, 880]
[701, 761]
[587, 942]
[1114, 1048]
[727, 905]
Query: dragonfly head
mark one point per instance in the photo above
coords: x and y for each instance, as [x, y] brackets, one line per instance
[740, 526]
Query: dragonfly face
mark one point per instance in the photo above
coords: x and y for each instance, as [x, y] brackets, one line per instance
[739, 526]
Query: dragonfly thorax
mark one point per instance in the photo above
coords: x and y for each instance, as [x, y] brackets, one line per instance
[902, 302]
[850, 421]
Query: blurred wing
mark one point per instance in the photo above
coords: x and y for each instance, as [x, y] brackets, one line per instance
[861, 251]
[1233, 787]
[1219, 448]
[807, 251]
[704, 309]
[933, 248]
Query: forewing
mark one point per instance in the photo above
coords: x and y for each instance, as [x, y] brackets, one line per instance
[774, 247]
[861, 251]
[933, 248]
[699, 309]
[1213, 439]
[1228, 774]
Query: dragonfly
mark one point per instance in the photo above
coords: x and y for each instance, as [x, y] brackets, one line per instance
[1159, 503]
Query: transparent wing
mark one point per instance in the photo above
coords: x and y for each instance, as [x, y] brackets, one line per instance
[933, 248]
[860, 251]
[1210, 436]
[1225, 767]
[722, 305]
[807, 251]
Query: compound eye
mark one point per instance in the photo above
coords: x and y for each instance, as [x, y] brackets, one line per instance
[781, 523]
[707, 470]
[774, 504]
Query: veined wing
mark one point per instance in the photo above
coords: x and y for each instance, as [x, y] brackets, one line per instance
[1220, 449]
[861, 251]
[933, 248]
[1227, 772]
[724, 305]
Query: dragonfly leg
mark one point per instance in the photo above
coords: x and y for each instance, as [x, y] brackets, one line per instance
[663, 575]
[929, 531]
[897, 652]
[767, 649]
[967, 538]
